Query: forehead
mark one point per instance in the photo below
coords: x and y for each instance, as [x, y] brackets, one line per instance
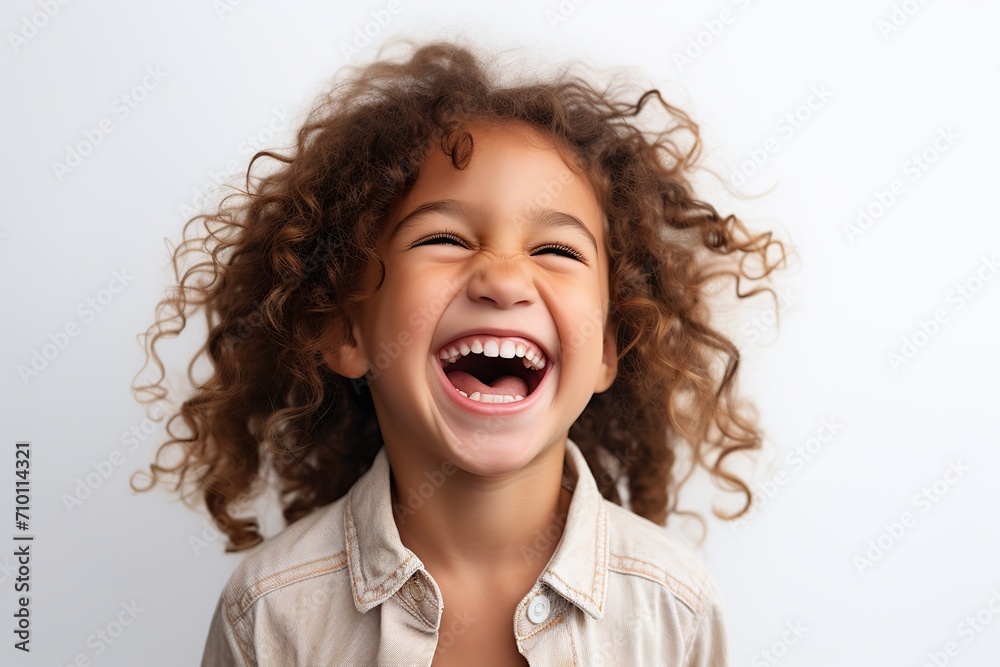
[516, 172]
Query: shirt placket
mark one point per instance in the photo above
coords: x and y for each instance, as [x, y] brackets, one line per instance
[542, 628]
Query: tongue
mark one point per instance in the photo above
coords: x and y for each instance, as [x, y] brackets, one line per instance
[510, 385]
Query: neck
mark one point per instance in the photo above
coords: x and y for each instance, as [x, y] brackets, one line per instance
[509, 523]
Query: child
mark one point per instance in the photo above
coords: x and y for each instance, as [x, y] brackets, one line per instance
[446, 326]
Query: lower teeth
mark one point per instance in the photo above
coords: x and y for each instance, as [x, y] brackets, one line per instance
[492, 398]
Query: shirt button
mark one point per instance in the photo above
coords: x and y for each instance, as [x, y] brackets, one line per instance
[538, 610]
[417, 590]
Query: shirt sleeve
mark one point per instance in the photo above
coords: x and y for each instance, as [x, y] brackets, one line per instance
[221, 649]
[708, 644]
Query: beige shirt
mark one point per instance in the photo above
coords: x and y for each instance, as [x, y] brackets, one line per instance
[338, 587]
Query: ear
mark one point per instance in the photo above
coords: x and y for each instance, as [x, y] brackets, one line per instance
[609, 360]
[344, 357]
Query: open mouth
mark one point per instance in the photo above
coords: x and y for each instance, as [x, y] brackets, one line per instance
[490, 369]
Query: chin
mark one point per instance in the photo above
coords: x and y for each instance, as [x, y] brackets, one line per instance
[496, 455]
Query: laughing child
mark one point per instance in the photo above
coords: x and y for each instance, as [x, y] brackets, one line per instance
[463, 328]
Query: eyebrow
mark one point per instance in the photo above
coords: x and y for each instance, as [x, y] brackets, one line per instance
[542, 217]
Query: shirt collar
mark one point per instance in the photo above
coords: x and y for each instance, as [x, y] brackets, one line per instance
[380, 564]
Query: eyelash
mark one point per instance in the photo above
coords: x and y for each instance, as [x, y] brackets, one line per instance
[449, 234]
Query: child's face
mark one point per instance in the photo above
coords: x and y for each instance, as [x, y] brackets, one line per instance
[496, 277]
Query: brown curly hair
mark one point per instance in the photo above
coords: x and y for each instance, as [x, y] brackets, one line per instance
[286, 253]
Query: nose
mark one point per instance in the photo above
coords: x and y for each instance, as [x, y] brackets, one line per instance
[501, 281]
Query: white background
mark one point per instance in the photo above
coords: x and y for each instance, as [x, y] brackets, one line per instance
[849, 300]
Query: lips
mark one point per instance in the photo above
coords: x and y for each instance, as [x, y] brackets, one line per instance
[494, 367]
[494, 409]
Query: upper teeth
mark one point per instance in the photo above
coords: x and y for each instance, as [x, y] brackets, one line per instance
[531, 356]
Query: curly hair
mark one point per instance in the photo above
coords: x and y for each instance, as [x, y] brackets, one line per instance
[287, 252]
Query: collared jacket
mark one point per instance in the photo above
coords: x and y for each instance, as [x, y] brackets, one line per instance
[338, 587]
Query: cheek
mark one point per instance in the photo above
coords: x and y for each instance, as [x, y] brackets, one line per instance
[405, 316]
[586, 339]
[583, 328]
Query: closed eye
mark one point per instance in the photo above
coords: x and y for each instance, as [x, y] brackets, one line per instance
[441, 236]
[451, 238]
[564, 250]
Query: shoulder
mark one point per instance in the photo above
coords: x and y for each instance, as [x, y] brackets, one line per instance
[684, 596]
[311, 547]
[642, 549]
